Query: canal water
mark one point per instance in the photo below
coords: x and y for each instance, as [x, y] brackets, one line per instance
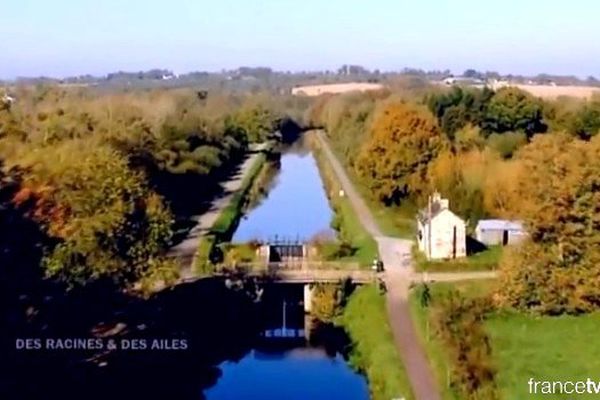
[288, 362]
[291, 358]
[296, 207]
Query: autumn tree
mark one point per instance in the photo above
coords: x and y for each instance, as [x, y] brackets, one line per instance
[393, 161]
[257, 122]
[507, 143]
[501, 197]
[105, 221]
[460, 178]
[558, 269]
[468, 138]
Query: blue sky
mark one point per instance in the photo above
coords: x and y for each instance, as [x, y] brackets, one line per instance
[69, 37]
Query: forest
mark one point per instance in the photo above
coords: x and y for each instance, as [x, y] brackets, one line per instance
[502, 154]
[95, 184]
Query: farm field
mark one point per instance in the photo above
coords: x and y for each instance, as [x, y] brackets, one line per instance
[335, 88]
[551, 92]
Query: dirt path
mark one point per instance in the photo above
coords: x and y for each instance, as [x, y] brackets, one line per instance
[396, 256]
[186, 250]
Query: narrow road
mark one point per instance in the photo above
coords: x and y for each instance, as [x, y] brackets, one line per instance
[396, 256]
[186, 250]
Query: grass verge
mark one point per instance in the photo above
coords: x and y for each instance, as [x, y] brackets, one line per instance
[374, 352]
[227, 220]
[347, 223]
[231, 214]
[483, 261]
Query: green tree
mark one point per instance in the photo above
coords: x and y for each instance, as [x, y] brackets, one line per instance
[257, 122]
[106, 223]
[459, 107]
[507, 143]
[512, 109]
[586, 122]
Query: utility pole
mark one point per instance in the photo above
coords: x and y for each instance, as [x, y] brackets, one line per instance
[429, 227]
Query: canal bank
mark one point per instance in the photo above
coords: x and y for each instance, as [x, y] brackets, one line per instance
[351, 233]
[222, 213]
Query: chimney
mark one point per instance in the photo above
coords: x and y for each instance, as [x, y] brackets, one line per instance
[443, 204]
[439, 203]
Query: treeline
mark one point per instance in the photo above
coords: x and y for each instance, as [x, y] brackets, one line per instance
[101, 178]
[503, 154]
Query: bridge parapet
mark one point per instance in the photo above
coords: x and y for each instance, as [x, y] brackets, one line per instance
[305, 272]
[298, 265]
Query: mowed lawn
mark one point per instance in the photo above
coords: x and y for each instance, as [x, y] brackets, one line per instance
[544, 348]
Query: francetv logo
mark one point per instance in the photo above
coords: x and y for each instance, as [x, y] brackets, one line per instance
[569, 387]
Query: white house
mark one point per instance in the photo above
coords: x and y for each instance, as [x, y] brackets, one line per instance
[499, 231]
[441, 233]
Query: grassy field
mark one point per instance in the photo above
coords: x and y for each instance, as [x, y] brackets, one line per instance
[523, 346]
[545, 349]
[483, 261]
[374, 352]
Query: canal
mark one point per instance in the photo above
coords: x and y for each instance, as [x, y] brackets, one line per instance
[291, 358]
[296, 206]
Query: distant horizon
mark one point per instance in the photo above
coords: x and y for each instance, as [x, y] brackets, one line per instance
[297, 71]
[66, 38]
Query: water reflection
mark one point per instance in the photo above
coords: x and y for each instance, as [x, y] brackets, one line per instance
[230, 356]
[294, 357]
[298, 374]
[295, 208]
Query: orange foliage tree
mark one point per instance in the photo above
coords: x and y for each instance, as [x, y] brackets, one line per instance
[393, 161]
[558, 269]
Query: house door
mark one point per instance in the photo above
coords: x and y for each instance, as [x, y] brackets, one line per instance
[504, 238]
[454, 242]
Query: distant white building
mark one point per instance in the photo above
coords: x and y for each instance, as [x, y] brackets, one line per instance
[441, 233]
[460, 80]
[7, 99]
[499, 232]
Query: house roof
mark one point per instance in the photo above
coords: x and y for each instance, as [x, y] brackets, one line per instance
[500, 225]
[435, 211]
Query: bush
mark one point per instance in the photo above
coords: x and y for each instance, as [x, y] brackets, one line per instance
[459, 324]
